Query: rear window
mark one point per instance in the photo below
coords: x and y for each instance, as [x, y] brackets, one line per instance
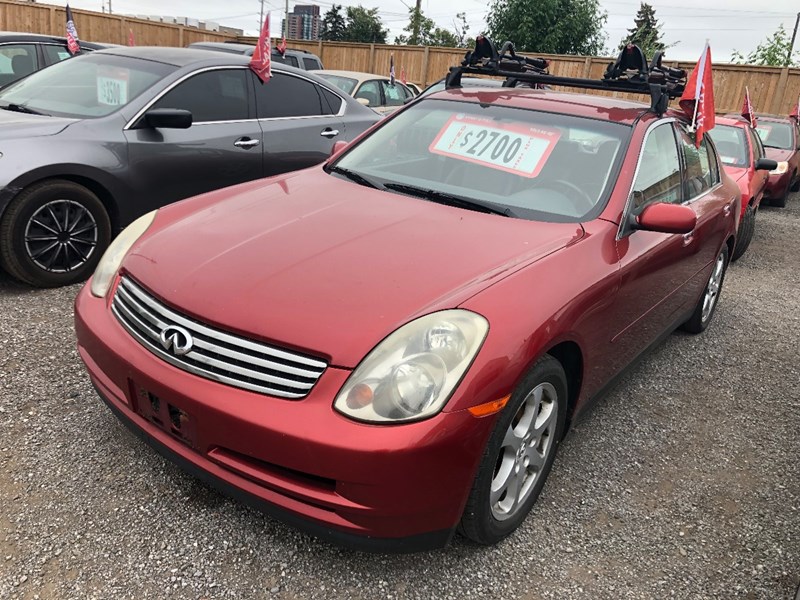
[731, 145]
[541, 166]
[346, 84]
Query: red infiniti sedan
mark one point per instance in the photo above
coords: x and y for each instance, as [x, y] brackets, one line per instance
[743, 158]
[390, 347]
[781, 138]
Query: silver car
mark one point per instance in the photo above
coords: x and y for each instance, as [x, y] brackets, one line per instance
[89, 144]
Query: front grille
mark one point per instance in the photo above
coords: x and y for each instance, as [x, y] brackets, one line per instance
[214, 354]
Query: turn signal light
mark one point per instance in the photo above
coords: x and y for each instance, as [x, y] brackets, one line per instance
[489, 408]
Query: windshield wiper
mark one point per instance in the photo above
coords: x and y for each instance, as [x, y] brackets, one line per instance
[356, 177]
[21, 108]
[451, 199]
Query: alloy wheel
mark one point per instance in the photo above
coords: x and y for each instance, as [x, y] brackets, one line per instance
[529, 440]
[712, 290]
[61, 236]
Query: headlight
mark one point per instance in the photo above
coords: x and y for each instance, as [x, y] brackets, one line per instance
[112, 258]
[412, 373]
[782, 168]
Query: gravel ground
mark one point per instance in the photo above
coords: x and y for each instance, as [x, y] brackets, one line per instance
[682, 483]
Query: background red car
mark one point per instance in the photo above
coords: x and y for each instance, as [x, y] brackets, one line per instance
[390, 348]
[781, 138]
[743, 157]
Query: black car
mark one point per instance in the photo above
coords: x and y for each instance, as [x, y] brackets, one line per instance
[300, 59]
[23, 53]
[89, 144]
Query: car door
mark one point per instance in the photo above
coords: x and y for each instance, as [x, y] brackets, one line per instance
[370, 91]
[221, 148]
[759, 181]
[655, 268]
[300, 121]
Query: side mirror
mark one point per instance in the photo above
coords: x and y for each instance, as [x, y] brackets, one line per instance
[662, 217]
[766, 164]
[363, 101]
[338, 147]
[168, 118]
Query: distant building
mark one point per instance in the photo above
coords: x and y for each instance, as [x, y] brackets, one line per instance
[304, 22]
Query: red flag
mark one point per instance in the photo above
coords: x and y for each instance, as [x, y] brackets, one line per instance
[795, 114]
[73, 43]
[282, 46]
[697, 100]
[261, 63]
[747, 109]
[130, 38]
[403, 75]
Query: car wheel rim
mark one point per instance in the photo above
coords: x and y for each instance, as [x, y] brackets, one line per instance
[712, 290]
[528, 442]
[61, 236]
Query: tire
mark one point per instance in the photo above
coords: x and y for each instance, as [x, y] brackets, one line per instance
[53, 233]
[746, 230]
[701, 318]
[795, 187]
[542, 397]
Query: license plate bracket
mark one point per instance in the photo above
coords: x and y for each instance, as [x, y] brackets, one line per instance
[165, 414]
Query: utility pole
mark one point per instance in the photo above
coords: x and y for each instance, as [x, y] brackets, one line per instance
[286, 21]
[791, 46]
[261, 20]
[109, 10]
[417, 21]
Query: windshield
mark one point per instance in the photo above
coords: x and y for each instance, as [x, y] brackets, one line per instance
[346, 84]
[775, 135]
[88, 86]
[730, 144]
[539, 166]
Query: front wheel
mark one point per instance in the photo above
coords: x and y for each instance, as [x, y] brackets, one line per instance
[707, 304]
[519, 455]
[53, 233]
[746, 230]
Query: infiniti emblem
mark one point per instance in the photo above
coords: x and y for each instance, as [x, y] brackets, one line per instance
[177, 339]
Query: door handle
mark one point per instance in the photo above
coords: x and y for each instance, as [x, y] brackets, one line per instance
[688, 238]
[246, 143]
[329, 133]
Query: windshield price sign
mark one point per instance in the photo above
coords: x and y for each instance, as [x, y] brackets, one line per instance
[515, 148]
[112, 86]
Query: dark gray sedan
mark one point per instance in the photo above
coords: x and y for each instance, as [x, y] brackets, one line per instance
[89, 144]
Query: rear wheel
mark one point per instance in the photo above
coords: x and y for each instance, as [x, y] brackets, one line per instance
[707, 304]
[53, 233]
[746, 230]
[795, 187]
[519, 455]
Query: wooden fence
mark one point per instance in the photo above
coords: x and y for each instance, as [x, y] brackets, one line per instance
[772, 89]
[99, 27]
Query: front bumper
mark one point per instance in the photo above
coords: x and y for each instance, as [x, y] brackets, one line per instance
[380, 488]
[778, 185]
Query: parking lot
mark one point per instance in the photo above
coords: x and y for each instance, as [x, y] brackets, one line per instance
[683, 482]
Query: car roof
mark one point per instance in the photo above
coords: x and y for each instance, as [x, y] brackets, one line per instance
[352, 74]
[178, 57]
[732, 120]
[774, 118]
[582, 105]
[16, 36]
[231, 47]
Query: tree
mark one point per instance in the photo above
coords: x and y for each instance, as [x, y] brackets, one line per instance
[460, 27]
[772, 52]
[549, 26]
[646, 32]
[422, 31]
[365, 26]
[333, 24]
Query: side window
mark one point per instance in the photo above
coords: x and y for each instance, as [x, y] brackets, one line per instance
[370, 91]
[289, 96]
[659, 175]
[701, 165]
[16, 61]
[311, 64]
[334, 101]
[291, 61]
[394, 94]
[54, 54]
[219, 95]
[758, 147]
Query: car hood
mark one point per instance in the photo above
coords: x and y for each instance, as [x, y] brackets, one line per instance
[778, 154]
[15, 125]
[319, 264]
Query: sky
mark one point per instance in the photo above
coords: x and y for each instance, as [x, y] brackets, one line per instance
[728, 24]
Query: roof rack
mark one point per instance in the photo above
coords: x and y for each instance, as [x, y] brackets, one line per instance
[630, 73]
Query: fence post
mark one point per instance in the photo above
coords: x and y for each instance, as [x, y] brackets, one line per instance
[180, 36]
[123, 35]
[587, 67]
[371, 58]
[780, 91]
[319, 49]
[425, 59]
[53, 26]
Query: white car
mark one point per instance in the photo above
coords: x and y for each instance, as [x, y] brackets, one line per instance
[374, 91]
